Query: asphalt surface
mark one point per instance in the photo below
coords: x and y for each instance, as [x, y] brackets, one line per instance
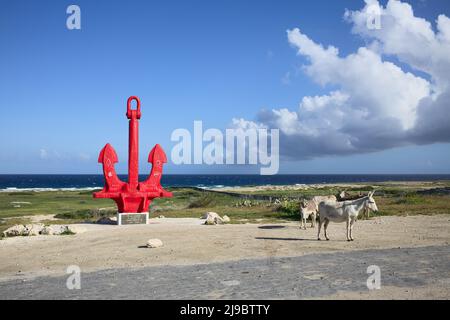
[309, 276]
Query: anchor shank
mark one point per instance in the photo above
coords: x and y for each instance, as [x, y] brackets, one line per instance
[133, 154]
[133, 143]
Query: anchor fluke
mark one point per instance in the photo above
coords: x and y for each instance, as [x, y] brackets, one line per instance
[157, 154]
[108, 157]
[108, 154]
[157, 157]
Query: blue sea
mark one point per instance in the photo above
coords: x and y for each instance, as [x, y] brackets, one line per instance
[82, 181]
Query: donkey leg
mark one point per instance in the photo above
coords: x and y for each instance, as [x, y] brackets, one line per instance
[318, 229]
[348, 230]
[352, 222]
[313, 220]
[325, 227]
[301, 220]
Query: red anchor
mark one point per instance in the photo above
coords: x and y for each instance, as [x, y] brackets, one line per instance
[134, 196]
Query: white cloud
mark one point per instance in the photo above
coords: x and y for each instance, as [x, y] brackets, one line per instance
[376, 87]
[54, 155]
[84, 157]
[411, 39]
[43, 154]
[377, 105]
[286, 79]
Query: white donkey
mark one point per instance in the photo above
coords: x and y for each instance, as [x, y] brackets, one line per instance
[346, 211]
[308, 208]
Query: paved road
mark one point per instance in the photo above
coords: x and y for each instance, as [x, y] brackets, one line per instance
[307, 276]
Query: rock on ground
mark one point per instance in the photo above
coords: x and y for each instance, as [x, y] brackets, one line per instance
[14, 231]
[154, 243]
[40, 229]
[33, 229]
[210, 214]
[24, 230]
[212, 218]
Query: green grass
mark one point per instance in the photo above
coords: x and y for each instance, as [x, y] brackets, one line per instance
[51, 202]
[67, 233]
[202, 202]
[87, 214]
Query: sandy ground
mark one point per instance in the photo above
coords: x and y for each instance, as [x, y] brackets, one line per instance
[187, 242]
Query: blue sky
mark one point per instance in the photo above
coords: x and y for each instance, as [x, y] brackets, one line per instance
[63, 92]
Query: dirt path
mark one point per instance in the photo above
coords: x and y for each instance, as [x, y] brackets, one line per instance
[186, 242]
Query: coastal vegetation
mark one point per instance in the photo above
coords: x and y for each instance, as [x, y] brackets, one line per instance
[242, 205]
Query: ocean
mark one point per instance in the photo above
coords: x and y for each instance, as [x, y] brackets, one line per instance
[9, 182]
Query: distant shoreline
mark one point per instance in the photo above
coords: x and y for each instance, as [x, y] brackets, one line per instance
[424, 184]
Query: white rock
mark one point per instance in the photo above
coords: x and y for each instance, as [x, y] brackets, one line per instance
[210, 221]
[210, 214]
[76, 229]
[226, 219]
[154, 243]
[213, 218]
[14, 231]
[161, 217]
[47, 230]
[32, 229]
[57, 229]
[40, 229]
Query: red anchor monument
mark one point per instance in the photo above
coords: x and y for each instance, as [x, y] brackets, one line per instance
[132, 198]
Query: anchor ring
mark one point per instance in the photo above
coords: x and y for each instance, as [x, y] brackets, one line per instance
[137, 111]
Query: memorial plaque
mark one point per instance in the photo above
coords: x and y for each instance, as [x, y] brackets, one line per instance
[132, 218]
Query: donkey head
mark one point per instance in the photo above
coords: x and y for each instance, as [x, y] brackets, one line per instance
[303, 203]
[370, 203]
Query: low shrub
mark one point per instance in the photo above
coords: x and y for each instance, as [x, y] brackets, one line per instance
[202, 202]
[86, 214]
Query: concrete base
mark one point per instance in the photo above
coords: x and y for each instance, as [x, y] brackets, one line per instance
[132, 218]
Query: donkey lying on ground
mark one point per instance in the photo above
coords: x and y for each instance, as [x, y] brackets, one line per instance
[346, 211]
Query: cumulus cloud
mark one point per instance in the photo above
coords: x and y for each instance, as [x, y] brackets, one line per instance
[376, 104]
